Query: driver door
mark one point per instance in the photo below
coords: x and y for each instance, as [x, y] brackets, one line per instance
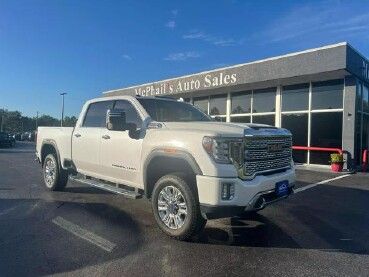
[120, 154]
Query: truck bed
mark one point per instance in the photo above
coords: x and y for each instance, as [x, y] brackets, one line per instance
[61, 137]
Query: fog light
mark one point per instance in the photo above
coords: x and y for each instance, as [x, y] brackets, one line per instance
[228, 191]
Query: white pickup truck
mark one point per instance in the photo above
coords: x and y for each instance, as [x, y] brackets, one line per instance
[190, 166]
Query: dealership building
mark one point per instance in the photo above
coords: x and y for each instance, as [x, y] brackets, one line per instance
[321, 95]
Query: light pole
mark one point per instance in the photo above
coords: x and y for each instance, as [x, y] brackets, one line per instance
[36, 120]
[62, 111]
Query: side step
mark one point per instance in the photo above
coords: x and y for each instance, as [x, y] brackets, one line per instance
[114, 188]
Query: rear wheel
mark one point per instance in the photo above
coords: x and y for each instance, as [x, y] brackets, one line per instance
[54, 176]
[175, 208]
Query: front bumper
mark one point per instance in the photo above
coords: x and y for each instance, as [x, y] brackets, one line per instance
[249, 195]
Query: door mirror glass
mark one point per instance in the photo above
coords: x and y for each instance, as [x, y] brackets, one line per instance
[116, 121]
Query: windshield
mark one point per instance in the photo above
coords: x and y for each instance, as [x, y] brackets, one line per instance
[172, 111]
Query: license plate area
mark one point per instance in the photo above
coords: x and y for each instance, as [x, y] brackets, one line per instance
[281, 188]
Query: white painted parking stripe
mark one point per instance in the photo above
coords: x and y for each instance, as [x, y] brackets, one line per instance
[320, 183]
[83, 233]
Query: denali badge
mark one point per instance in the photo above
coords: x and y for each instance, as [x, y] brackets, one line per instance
[275, 147]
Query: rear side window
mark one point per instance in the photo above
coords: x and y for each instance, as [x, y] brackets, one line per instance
[132, 115]
[96, 114]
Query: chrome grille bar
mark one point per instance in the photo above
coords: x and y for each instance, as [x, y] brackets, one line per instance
[260, 159]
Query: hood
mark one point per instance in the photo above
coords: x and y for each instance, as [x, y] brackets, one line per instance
[228, 129]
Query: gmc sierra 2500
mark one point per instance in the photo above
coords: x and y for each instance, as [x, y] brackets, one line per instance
[191, 167]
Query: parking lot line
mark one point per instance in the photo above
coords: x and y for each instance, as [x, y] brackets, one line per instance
[83, 233]
[320, 183]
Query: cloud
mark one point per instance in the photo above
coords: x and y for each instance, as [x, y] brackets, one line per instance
[215, 40]
[182, 56]
[170, 24]
[127, 57]
[319, 21]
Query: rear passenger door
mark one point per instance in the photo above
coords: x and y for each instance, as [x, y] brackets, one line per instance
[87, 136]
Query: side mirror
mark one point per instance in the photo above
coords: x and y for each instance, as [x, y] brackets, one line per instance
[218, 118]
[116, 121]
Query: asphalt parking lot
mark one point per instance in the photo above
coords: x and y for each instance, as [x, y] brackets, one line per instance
[323, 230]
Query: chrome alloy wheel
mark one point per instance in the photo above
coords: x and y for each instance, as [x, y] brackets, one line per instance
[172, 207]
[50, 173]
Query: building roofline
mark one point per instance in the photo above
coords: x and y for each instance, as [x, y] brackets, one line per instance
[242, 64]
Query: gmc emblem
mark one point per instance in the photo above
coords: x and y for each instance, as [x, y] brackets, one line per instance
[275, 147]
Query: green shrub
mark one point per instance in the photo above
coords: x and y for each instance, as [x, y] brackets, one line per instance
[336, 158]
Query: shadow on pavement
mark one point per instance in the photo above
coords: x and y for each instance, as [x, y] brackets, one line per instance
[327, 218]
[31, 245]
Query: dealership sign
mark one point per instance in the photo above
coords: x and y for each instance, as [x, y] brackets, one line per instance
[188, 84]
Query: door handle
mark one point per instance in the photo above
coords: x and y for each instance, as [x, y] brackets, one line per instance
[77, 135]
[106, 137]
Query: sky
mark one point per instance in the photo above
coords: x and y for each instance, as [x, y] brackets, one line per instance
[85, 47]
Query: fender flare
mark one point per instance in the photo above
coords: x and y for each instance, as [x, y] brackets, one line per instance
[179, 154]
[52, 143]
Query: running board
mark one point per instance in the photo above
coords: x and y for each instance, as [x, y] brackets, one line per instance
[105, 186]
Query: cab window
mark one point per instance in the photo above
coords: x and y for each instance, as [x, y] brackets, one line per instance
[132, 115]
[96, 114]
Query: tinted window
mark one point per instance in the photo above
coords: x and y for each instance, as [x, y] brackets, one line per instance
[365, 99]
[218, 105]
[297, 124]
[295, 98]
[327, 95]
[241, 102]
[202, 104]
[264, 119]
[96, 114]
[131, 113]
[264, 100]
[326, 131]
[172, 111]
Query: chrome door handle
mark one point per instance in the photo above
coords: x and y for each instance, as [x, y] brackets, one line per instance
[77, 135]
[106, 137]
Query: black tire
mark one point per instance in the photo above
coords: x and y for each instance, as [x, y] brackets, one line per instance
[194, 223]
[55, 177]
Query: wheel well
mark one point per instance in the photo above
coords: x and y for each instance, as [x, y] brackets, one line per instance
[160, 166]
[46, 150]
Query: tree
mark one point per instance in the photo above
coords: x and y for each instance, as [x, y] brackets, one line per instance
[69, 121]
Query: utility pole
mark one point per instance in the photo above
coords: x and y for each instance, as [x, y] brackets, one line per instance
[36, 120]
[62, 111]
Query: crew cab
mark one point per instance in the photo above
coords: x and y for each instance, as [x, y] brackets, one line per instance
[190, 166]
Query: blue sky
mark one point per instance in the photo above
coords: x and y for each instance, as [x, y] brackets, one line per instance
[85, 47]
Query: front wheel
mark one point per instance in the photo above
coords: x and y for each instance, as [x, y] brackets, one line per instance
[54, 176]
[175, 208]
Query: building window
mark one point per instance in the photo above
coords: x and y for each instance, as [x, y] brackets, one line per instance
[327, 95]
[241, 119]
[326, 131]
[365, 99]
[202, 104]
[298, 125]
[218, 105]
[264, 119]
[241, 102]
[264, 100]
[295, 97]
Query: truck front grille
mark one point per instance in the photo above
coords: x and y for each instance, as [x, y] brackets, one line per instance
[266, 154]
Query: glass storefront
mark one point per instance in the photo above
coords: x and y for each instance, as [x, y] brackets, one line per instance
[362, 121]
[313, 112]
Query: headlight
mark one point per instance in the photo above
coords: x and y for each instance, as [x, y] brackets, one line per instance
[224, 150]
